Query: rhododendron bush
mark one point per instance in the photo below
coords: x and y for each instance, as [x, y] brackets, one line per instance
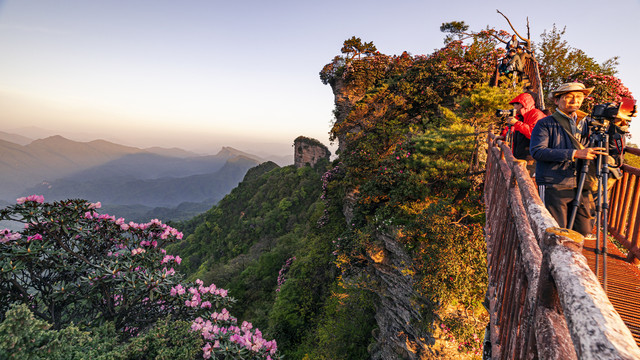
[71, 264]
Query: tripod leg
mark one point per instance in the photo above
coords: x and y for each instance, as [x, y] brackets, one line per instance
[605, 212]
[576, 200]
[598, 214]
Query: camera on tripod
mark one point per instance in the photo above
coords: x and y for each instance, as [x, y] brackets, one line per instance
[615, 113]
[612, 118]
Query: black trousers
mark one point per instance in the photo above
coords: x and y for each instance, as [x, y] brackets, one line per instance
[559, 202]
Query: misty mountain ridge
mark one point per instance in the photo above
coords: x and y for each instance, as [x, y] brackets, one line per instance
[56, 157]
[15, 138]
[138, 184]
[127, 189]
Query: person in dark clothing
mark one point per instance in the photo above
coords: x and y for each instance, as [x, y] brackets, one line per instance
[558, 145]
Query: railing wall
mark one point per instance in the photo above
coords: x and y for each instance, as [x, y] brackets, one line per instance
[544, 301]
[624, 222]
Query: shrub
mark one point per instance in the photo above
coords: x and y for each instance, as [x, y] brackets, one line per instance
[71, 264]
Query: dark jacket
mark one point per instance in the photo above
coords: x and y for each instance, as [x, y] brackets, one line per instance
[552, 149]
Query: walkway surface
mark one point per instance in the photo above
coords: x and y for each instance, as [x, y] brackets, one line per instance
[623, 284]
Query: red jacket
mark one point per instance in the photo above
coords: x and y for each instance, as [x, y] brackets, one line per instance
[530, 116]
[522, 129]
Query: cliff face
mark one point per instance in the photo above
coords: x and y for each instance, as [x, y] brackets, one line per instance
[396, 310]
[309, 152]
[344, 97]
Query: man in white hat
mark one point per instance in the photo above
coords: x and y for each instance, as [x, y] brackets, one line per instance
[558, 146]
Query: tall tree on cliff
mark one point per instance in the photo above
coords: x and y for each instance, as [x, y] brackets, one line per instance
[355, 47]
[559, 62]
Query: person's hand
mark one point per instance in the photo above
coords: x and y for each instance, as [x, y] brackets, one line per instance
[589, 153]
[512, 121]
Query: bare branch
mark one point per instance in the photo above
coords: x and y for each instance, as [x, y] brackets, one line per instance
[515, 31]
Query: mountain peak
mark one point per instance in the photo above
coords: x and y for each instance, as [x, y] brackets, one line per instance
[229, 152]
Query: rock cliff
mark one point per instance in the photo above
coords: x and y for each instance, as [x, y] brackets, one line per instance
[397, 315]
[309, 151]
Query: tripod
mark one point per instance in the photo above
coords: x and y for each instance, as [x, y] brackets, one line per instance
[599, 138]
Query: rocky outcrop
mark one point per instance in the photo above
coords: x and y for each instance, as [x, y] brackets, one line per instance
[309, 151]
[344, 98]
[388, 271]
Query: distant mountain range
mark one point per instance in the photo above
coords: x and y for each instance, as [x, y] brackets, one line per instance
[132, 180]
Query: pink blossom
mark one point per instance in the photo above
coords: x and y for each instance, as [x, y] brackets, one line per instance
[206, 351]
[33, 198]
[97, 205]
[6, 235]
[138, 251]
[34, 237]
[177, 290]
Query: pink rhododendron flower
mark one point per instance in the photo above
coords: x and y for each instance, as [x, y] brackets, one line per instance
[34, 198]
[206, 351]
[6, 235]
[138, 251]
[34, 237]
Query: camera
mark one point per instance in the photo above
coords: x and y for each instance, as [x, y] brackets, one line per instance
[624, 110]
[607, 111]
[505, 113]
[608, 119]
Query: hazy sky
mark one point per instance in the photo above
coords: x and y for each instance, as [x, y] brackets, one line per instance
[204, 74]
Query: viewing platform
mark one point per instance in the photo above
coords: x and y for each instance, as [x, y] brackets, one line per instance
[623, 283]
[544, 298]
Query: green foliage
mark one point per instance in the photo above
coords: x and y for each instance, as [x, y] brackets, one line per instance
[355, 47]
[345, 326]
[559, 61]
[454, 30]
[607, 88]
[480, 106]
[72, 265]
[261, 209]
[22, 336]
[410, 151]
[256, 252]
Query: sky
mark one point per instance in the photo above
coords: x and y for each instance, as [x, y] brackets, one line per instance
[201, 75]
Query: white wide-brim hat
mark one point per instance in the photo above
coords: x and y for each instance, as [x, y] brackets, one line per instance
[570, 87]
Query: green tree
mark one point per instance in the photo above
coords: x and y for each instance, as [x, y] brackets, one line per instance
[559, 61]
[354, 47]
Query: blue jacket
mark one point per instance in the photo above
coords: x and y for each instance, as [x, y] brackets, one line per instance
[552, 148]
